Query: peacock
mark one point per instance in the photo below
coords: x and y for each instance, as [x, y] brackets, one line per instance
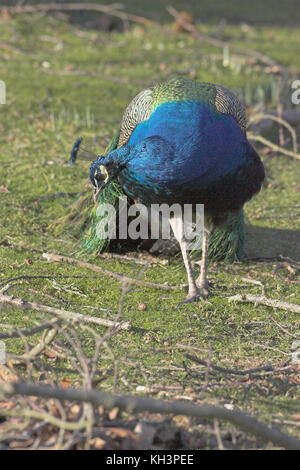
[183, 142]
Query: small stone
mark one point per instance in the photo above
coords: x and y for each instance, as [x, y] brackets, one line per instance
[75, 410]
[97, 442]
[295, 344]
[141, 306]
[142, 388]
[228, 406]
[295, 356]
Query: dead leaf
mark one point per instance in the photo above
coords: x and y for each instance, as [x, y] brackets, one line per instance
[186, 17]
[50, 354]
[54, 410]
[113, 413]
[6, 375]
[98, 443]
[21, 444]
[3, 189]
[5, 15]
[7, 405]
[65, 383]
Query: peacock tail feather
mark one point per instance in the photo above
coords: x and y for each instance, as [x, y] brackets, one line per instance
[93, 241]
[227, 239]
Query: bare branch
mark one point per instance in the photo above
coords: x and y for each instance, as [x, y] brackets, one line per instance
[266, 368]
[28, 332]
[279, 120]
[92, 73]
[268, 143]
[138, 404]
[218, 43]
[29, 355]
[111, 10]
[79, 317]
[106, 272]
[265, 301]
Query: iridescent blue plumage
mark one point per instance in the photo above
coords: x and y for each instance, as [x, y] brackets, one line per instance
[187, 153]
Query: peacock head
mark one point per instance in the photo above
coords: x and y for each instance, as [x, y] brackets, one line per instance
[106, 168]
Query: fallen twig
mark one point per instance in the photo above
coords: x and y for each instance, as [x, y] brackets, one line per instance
[9, 47]
[79, 317]
[254, 281]
[106, 272]
[47, 417]
[49, 276]
[276, 277]
[229, 371]
[264, 346]
[7, 244]
[187, 346]
[29, 355]
[279, 114]
[283, 329]
[125, 290]
[28, 332]
[207, 372]
[268, 143]
[110, 10]
[138, 260]
[137, 404]
[279, 120]
[92, 73]
[265, 301]
[218, 43]
[218, 435]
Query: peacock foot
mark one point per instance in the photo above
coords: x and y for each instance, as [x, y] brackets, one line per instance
[204, 291]
[204, 288]
[191, 297]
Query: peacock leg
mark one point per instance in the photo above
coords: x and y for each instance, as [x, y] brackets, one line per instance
[178, 229]
[201, 281]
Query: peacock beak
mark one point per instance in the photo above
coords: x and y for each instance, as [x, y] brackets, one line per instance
[101, 178]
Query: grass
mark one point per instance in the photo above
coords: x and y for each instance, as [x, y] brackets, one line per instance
[44, 114]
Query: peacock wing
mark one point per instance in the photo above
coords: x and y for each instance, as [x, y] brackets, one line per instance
[136, 112]
[227, 102]
[216, 97]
